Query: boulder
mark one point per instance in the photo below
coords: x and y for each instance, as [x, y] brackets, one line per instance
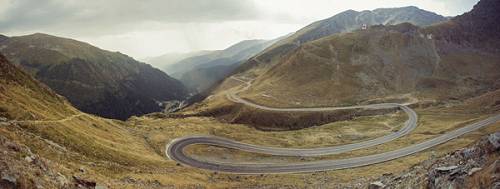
[13, 146]
[28, 159]
[8, 182]
[496, 166]
[495, 140]
[376, 185]
[496, 185]
[82, 183]
[474, 170]
[446, 169]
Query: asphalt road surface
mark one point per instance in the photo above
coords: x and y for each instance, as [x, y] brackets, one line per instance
[175, 149]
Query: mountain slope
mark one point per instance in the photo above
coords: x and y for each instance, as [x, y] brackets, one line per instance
[96, 81]
[447, 61]
[351, 20]
[60, 139]
[165, 60]
[184, 65]
[199, 73]
[343, 22]
[22, 97]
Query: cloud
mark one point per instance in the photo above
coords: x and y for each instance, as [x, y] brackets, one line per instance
[142, 28]
[115, 15]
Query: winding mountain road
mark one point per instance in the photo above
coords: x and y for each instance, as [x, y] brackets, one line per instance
[174, 149]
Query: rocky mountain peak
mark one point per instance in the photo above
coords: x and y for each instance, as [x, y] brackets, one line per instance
[478, 27]
[487, 7]
[3, 37]
[484, 12]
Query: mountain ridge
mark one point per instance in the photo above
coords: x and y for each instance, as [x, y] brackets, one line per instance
[199, 73]
[97, 81]
[400, 62]
[346, 21]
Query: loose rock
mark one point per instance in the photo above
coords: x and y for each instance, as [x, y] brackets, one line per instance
[28, 159]
[495, 140]
[496, 185]
[376, 185]
[474, 170]
[8, 182]
[446, 169]
[84, 183]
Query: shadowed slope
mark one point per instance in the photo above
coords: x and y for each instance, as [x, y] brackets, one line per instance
[96, 81]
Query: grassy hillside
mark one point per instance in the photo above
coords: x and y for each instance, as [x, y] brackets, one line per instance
[52, 129]
[384, 61]
[68, 147]
[448, 61]
[108, 84]
[46, 142]
[346, 21]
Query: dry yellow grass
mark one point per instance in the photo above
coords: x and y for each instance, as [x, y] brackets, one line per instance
[432, 122]
[131, 154]
[135, 149]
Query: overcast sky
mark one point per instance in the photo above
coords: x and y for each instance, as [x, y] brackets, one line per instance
[153, 27]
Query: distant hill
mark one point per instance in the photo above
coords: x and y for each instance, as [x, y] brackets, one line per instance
[346, 21]
[451, 60]
[199, 73]
[109, 84]
[165, 60]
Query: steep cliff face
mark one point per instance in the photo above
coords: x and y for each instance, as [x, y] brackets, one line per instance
[96, 81]
[478, 28]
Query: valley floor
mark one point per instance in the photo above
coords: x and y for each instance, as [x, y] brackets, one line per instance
[132, 154]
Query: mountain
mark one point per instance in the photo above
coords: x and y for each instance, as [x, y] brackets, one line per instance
[109, 84]
[199, 73]
[25, 97]
[179, 68]
[45, 140]
[446, 61]
[476, 29]
[346, 21]
[3, 38]
[165, 60]
[351, 20]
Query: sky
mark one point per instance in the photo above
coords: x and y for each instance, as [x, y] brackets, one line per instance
[151, 28]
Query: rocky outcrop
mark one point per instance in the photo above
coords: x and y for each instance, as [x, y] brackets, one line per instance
[376, 185]
[495, 140]
[21, 168]
[477, 166]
